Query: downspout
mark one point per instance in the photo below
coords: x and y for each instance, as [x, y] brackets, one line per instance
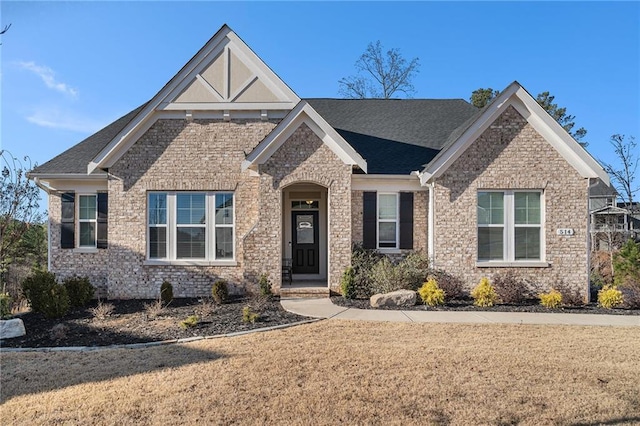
[588, 239]
[431, 226]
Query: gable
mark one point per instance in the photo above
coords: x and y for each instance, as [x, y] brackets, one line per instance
[517, 97]
[225, 79]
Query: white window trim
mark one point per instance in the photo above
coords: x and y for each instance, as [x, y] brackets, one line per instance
[172, 225]
[89, 248]
[396, 220]
[509, 227]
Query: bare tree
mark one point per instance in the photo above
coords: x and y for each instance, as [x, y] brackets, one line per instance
[625, 173]
[19, 208]
[4, 30]
[380, 75]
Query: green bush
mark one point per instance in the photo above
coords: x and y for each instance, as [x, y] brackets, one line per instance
[553, 299]
[249, 316]
[36, 287]
[484, 294]
[265, 285]
[220, 292]
[430, 293]
[190, 322]
[166, 292]
[610, 297]
[414, 270]
[56, 302]
[626, 264]
[5, 306]
[80, 291]
[348, 284]
[385, 277]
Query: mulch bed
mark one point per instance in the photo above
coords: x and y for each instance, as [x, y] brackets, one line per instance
[130, 323]
[467, 305]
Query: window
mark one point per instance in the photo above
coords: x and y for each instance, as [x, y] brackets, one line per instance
[509, 226]
[190, 225]
[87, 219]
[388, 220]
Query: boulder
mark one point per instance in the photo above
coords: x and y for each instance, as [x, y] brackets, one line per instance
[12, 328]
[395, 299]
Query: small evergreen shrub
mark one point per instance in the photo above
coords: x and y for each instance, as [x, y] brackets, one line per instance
[5, 306]
[430, 293]
[36, 287]
[626, 263]
[166, 292]
[510, 287]
[484, 294]
[414, 270]
[56, 302]
[552, 299]
[452, 286]
[348, 283]
[610, 297]
[220, 292]
[249, 316]
[265, 285]
[80, 291]
[190, 322]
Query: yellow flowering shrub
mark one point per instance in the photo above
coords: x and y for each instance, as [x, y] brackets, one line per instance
[484, 294]
[553, 299]
[430, 293]
[610, 297]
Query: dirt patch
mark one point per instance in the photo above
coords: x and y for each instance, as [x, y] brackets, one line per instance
[467, 305]
[132, 322]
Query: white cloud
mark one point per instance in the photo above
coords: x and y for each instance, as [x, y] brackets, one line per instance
[48, 77]
[55, 119]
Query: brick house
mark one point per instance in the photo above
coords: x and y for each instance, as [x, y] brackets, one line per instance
[225, 172]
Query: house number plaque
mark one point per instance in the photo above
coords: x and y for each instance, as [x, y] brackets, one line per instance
[564, 231]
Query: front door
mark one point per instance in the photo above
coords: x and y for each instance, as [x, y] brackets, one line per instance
[305, 250]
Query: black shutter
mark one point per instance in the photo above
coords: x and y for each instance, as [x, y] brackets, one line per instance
[369, 220]
[406, 220]
[67, 220]
[101, 234]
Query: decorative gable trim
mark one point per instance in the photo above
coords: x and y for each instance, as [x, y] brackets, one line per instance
[303, 113]
[515, 95]
[279, 97]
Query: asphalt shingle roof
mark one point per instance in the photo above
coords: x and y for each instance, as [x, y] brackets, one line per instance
[395, 136]
[77, 158]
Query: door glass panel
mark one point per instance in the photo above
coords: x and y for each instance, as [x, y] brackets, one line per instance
[304, 229]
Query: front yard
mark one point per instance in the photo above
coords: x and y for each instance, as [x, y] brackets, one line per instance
[333, 372]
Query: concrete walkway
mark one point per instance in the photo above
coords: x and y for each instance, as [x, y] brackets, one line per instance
[323, 308]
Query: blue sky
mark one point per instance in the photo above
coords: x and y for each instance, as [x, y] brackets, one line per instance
[69, 68]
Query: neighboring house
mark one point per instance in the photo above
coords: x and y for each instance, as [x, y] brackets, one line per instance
[611, 223]
[226, 171]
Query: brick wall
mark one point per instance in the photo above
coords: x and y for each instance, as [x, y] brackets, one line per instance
[510, 154]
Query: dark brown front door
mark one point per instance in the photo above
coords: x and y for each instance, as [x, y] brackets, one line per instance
[305, 248]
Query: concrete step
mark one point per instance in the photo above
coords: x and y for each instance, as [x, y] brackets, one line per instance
[304, 292]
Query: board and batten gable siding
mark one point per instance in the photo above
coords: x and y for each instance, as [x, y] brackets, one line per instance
[178, 155]
[510, 154]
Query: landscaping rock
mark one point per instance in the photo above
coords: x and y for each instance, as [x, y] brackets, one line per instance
[12, 328]
[395, 299]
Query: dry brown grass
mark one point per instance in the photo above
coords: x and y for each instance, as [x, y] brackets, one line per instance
[334, 372]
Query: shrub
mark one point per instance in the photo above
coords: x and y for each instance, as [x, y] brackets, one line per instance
[626, 263]
[102, 311]
[348, 284]
[430, 293]
[56, 302]
[362, 261]
[414, 270]
[249, 316]
[610, 297]
[385, 277]
[80, 291]
[166, 292]
[484, 294]
[205, 308]
[58, 332]
[154, 309]
[265, 285]
[5, 306]
[510, 288]
[553, 299]
[190, 322]
[220, 291]
[570, 296]
[630, 297]
[36, 287]
[450, 284]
